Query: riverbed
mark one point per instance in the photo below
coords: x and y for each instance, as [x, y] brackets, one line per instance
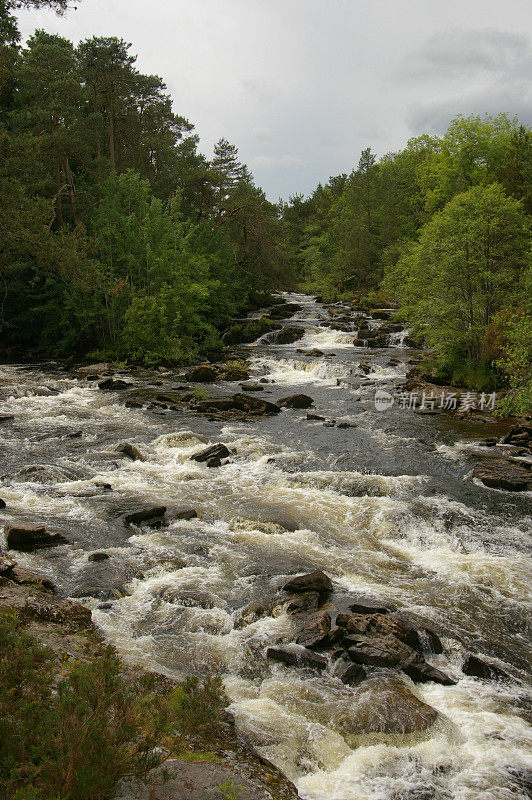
[380, 500]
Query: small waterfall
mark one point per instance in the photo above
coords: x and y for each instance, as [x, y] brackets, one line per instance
[397, 339]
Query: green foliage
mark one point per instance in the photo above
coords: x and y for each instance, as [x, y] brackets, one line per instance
[230, 790]
[76, 735]
[515, 362]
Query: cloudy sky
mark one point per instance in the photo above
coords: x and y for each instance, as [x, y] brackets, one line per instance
[302, 86]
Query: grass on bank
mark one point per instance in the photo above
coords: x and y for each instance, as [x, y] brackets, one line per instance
[72, 732]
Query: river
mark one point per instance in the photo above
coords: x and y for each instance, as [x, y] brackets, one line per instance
[383, 506]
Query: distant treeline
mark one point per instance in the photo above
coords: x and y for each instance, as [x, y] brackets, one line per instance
[442, 228]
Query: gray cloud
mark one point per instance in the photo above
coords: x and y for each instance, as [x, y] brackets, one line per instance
[302, 86]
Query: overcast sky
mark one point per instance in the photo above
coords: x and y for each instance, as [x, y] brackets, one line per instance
[302, 86]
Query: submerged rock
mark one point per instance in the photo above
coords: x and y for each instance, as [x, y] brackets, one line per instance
[477, 668]
[349, 673]
[250, 614]
[285, 310]
[145, 515]
[316, 581]
[131, 451]
[28, 538]
[294, 655]
[384, 705]
[97, 557]
[296, 401]
[314, 630]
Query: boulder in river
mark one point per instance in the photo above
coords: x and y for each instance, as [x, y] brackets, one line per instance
[202, 374]
[500, 473]
[114, 385]
[367, 605]
[477, 668]
[384, 705]
[250, 614]
[349, 673]
[215, 452]
[28, 538]
[243, 403]
[296, 401]
[380, 625]
[294, 655]
[145, 515]
[314, 629]
[2, 503]
[289, 335]
[390, 652]
[234, 375]
[98, 557]
[131, 451]
[6, 418]
[519, 435]
[302, 603]
[285, 310]
[185, 514]
[316, 581]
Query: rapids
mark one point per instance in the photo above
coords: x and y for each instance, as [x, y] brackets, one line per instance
[384, 507]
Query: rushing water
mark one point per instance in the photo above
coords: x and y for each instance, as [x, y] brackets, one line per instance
[384, 507]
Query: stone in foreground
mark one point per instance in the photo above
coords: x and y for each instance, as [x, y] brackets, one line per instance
[296, 401]
[316, 581]
[296, 656]
[215, 452]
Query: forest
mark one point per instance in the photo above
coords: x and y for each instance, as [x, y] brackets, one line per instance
[120, 239]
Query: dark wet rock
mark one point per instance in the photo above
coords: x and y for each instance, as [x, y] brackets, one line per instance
[6, 565]
[489, 441]
[366, 605]
[378, 341]
[48, 473]
[379, 313]
[75, 435]
[421, 672]
[6, 418]
[187, 599]
[385, 705]
[131, 451]
[112, 591]
[316, 581]
[302, 603]
[285, 311]
[477, 668]
[296, 656]
[244, 403]
[296, 401]
[289, 335]
[103, 487]
[315, 417]
[499, 473]
[252, 387]
[315, 353]
[202, 374]
[365, 368]
[214, 453]
[28, 538]
[345, 425]
[214, 463]
[385, 651]
[185, 514]
[313, 629]
[133, 404]
[114, 385]
[250, 614]
[365, 334]
[234, 375]
[522, 778]
[98, 557]
[349, 673]
[378, 625]
[343, 327]
[145, 515]
[519, 435]
[2, 503]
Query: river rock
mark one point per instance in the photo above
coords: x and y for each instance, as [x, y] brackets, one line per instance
[314, 629]
[2, 503]
[315, 353]
[296, 401]
[384, 705]
[349, 673]
[477, 668]
[98, 557]
[284, 311]
[28, 538]
[367, 605]
[498, 473]
[114, 385]
[234, 375]
[390, 652]
[250, 614]
[252, 387]
[145, 515]
[6, 418]
[131, 451]
[294, 655]
[185, 514]
[519, 435]
[254, 405]
[289, 335]
[214, 453]
[302, 603]
[371, 625]
[316, 581]
[201, 374]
